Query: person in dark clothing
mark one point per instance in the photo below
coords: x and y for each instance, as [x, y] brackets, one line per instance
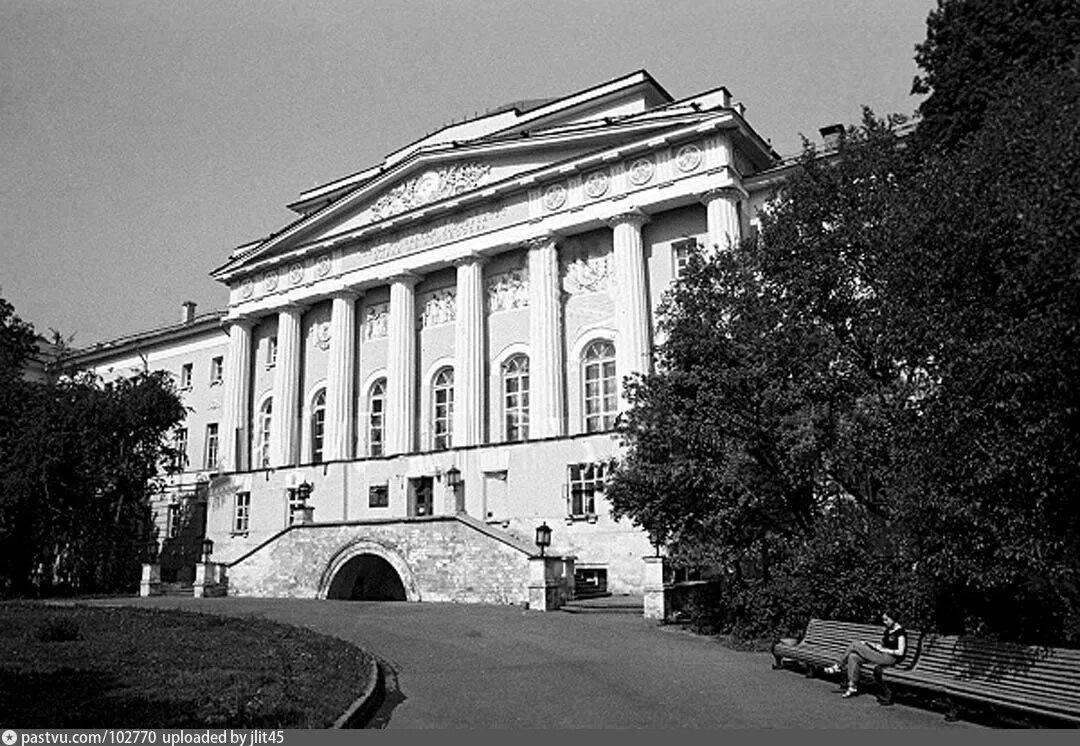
[888, 652]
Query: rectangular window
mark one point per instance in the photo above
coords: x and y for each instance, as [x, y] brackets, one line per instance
[271, 352]
[586, 481]
[295, 505]
[242, 513]
[173, 518]
[180, 443]
[681, 255]
[212, 445]
[379, 496]
[217, 370]
[185, 375]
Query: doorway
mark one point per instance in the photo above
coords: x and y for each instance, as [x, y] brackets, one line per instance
[421, 496]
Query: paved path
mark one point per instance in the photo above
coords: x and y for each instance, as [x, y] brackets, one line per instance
[471, 666]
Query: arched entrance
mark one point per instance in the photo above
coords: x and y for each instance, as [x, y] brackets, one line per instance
[366, 577]
[367, 570]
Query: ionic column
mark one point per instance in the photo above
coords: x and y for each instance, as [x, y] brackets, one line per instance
[236, 397]
[469, 353]
[546, 372]
[401, 365]
[284, 422]
[340, 378]
[632, 329]
[722, 218]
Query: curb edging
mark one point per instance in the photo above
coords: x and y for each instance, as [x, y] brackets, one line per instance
[367, 704]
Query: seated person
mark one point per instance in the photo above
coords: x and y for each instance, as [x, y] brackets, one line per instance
[889, 652]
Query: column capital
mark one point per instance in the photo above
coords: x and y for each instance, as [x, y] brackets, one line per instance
[347, 293]
[244, 321]
[634, 216]
[724, 192]
[405, 278]
[469, 259]
[539, 242]
[291, 307]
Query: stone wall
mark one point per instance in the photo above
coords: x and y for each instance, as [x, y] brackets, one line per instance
[441, 558]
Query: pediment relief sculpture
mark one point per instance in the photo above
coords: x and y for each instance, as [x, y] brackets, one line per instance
[429, 186]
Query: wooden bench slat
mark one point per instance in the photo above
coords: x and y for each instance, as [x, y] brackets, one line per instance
[1033, 679]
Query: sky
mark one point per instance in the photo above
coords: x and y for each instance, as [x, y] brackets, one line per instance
[141, 140]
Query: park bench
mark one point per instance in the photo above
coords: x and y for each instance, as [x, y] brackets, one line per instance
[998, 676]
[826, 640]
[963, 671]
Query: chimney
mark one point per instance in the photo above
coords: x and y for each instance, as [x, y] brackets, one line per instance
[187, 312]
[830, 136]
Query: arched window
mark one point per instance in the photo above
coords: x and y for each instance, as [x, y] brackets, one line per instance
[515, 383]
[442, 409]
[318, 426]
[376, 415]
[600, 390]
[262, 453]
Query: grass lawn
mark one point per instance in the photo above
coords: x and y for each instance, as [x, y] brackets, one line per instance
[98, 667]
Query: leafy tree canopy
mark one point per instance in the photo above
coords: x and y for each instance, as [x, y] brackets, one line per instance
[79, 461]
[974, 48]
[891, 369]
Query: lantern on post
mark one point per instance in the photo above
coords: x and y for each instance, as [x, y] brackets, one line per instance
[207, 549]
[456, 485]
[303, 491]
[543, 537]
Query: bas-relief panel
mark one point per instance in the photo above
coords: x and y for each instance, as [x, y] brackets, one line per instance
[376, 317]
[437, 307]
[508, 290]
[585, 268]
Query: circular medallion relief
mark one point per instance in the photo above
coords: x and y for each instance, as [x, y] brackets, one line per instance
[322, 266]
[269, 280]
[247, 288]
[596, 184]
[555, 196]
[688, 157]
[296, 272]
[641, 171]
[427, 186]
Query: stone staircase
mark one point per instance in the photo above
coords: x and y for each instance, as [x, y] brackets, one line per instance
[177, 590]
[606, 604]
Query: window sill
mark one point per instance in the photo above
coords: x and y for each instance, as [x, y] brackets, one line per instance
[587, 518]
[239, 534]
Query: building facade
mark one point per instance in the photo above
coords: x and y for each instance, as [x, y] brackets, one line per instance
[446, 334]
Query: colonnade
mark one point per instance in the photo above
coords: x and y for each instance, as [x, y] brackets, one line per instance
[547, 413]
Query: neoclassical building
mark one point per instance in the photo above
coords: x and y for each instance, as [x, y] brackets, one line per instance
[427, 363]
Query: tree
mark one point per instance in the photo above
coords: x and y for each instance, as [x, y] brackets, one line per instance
[79, 462]
[974, 48]
[16, 344]
[883, 386]
[763, 422]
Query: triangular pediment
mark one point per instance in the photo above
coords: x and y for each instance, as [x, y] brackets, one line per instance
[491, 158]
